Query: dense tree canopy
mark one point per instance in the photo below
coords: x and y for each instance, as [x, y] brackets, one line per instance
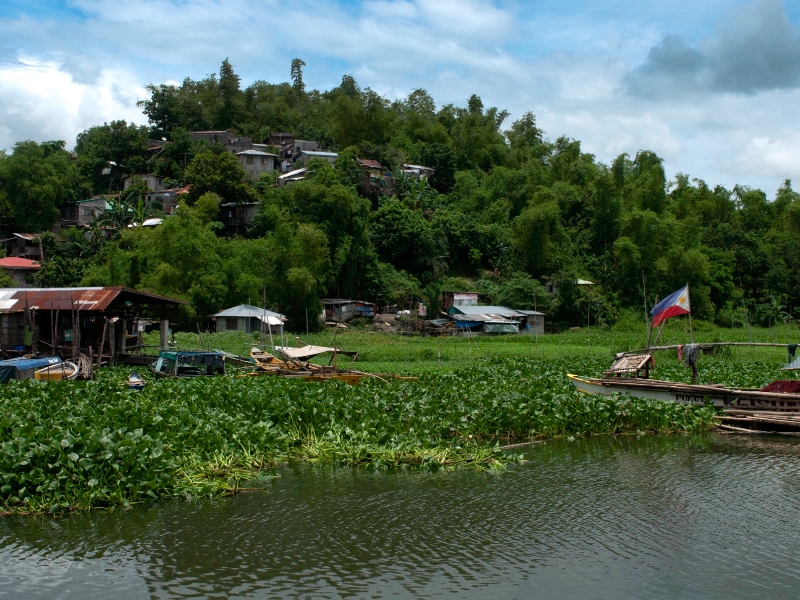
[505, 210]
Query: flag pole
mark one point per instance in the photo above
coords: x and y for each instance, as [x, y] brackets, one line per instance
[646, 318]
[691, 333]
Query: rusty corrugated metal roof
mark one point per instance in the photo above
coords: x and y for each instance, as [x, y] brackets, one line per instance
[83, 299]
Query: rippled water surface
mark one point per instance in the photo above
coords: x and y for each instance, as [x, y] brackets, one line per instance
[654, 517]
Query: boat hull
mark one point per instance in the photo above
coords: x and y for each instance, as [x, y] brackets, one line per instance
[58, 372]
[696, 395]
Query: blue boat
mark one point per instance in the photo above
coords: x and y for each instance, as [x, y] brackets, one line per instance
[24, 367]
[189, 363]
[136, 382]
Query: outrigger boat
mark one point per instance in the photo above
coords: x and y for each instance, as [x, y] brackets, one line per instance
[629, 374]
[294, 363]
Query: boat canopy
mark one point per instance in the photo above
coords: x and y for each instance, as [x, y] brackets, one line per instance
[793, 366]
[307, 352]
[23, 368]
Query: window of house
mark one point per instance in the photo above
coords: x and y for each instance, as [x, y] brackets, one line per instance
[249, 160]
[263, 160]
[231, 324]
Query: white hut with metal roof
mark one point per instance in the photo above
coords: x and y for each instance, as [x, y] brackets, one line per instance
[248, 318]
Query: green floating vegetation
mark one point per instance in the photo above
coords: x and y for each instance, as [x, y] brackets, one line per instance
[77, 445]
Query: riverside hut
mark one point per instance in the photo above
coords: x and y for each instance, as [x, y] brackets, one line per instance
[248, 318]
[97, 321]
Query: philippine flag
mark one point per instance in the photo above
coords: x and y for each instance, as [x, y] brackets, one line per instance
[677, 303]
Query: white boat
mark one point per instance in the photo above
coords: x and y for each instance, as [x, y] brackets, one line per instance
[58, 372]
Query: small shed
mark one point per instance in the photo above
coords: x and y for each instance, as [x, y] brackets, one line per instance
[248, 318]
[534, 323]
[450, 299]
[340, 310]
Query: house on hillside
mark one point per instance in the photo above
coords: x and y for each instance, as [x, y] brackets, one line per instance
[155, 183]
[237, 217]
[164, 200]
[230, 140]
[248, 318]
[376, 181]
[280, 139]
[255, 162]
[80, 213]
[19, 269]
[306, 155]
[24, 245]
[418, 171]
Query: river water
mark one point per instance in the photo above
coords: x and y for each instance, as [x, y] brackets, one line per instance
[650, 517]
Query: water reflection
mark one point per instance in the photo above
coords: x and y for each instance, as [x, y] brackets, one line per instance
[657, 517]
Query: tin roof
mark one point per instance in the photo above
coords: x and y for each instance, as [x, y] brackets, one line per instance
[318, 153]
[295, 173]
[255, 153]
[487, 310]
[14, 262]
[248, 310]
[368, 162]
[82, 299]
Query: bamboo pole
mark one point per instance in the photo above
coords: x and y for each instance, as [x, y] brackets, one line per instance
[691, 333]
[102, 344]
[647, 321]
[704, 345]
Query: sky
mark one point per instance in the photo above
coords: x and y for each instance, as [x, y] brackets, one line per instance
[711, 86]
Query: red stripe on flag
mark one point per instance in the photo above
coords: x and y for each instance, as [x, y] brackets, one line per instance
[672, 311]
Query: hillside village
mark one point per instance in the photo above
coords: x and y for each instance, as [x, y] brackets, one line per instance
[282, 160]
[292, 199]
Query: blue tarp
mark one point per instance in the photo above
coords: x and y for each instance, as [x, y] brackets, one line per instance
[23, 368]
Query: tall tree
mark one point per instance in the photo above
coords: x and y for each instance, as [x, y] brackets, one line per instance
[297, 77]
[35, 180]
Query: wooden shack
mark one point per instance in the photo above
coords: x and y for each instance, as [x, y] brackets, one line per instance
[100, 322]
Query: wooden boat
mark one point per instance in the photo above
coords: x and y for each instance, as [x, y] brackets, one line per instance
[136, 382]
[25, 367]
[58, 372]
[294, 363]
[189, 363]
[639, 385]
[264, 360]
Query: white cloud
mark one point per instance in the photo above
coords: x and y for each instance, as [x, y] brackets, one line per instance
[773, 157]
[40, 101]
[567, 66]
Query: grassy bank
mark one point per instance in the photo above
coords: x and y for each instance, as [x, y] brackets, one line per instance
[416, 354]
[76, 445]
